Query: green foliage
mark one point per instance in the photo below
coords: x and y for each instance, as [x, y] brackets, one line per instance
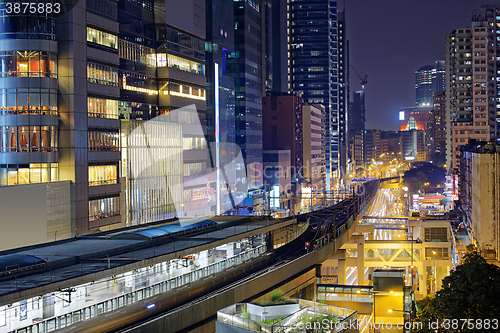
[246, 315]
[469, 292]
[317, 323]
[277, 298]
[272, 321]
[416, 177]
[276, 295]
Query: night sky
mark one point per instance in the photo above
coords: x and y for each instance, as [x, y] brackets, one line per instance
[390, 39]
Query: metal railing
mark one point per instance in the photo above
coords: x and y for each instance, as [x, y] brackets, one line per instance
[290, 236]
[111, 304]
[237, 315]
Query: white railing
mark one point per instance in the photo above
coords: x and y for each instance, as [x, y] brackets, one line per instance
[111, 304]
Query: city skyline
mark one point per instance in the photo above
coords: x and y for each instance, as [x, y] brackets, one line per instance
[391, 80]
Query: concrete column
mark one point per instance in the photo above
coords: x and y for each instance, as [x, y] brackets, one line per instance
[341, 272]
[361, 264]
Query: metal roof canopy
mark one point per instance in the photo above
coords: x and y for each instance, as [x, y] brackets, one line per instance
[16, 261]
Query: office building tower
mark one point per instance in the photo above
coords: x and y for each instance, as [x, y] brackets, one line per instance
[438, 77]
[372, 145]
[123, 68]
[246, 64]
[343, 93]
[279, 46]
[313, 71]
[436, 130]
[357, 114]
[356, 129]
[162, 68]
[220, 89]
[291, 124]
[423, 86]
[428, 80]
[60, 111]
[358, 149]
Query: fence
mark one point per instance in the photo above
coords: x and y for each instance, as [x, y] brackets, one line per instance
[58, 322]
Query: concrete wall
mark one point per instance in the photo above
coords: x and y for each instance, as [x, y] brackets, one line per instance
[200, 311]
[485, 213]
[33, 213]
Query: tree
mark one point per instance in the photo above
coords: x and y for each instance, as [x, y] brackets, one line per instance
[470, 292]
[423, 173]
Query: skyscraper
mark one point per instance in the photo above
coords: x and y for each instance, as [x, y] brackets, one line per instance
[220, 86]
[471, 100]
[313, 72]
[343, 92]
[246, 64]
[428, 80]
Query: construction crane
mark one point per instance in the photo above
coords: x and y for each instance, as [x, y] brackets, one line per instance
[363, 80]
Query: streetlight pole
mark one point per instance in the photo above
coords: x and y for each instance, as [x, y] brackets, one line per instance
[435, 276]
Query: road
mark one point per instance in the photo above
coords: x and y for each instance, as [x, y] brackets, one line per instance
[389, 202]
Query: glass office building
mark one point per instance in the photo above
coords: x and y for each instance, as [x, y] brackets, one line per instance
[313, 69]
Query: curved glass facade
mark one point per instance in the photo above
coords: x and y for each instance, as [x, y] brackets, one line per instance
[28, 64]
[28, 139]
[31, 101]
[26, 26]
[28, 98]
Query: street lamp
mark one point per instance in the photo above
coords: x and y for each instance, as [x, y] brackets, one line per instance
[435, 276]
[405, 312]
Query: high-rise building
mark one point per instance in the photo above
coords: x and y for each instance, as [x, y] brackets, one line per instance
[288, 123]
[357, 114]
[413, 147]
[356, 129]
[220, 89]
[471, 99]
[423, 86]
[313, 72]
[343, 93]
[471, 76]
[478, 200]
[436, 130]
[428, 80]
[279, 46]
[372, 145]
[59, 109]
[246, 64]
[125, 63]
[438, 77]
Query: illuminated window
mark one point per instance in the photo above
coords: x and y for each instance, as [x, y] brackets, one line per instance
[102, 108]
[102, 38]
[102, 74]
[137, 53]
[103, 208]
[28, 139]
[28, 63]
[102, 175]
[35, 173]
[103, 141]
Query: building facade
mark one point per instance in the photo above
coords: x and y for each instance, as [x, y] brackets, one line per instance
[479, 185]
[429, 80]
[313, 71]
[246, 64]
[471, 70]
